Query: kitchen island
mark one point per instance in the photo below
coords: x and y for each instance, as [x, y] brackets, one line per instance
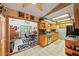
[72, 45]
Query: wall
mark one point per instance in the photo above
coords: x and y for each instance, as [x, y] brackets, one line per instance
[14, 14]
[76, 12]
[0, 28]
[0, 36]
[69, 9]
[62, 32]
[3, 34]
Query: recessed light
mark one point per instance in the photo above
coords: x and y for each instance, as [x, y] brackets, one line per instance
[34, 3]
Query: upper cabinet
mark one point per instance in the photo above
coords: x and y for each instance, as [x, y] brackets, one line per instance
[62, 25]
[41, 25]
[53, 26]
[47, 25]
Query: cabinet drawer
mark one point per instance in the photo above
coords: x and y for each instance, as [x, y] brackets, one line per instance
[71, 52]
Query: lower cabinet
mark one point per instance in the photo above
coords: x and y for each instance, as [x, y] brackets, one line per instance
[72, 48]
[55, 36]
[43, 40]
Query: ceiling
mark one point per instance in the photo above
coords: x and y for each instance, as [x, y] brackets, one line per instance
[32, 9]
[68, 9]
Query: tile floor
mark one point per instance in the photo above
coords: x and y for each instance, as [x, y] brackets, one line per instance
[55, 49]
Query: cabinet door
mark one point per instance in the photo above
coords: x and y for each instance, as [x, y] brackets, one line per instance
[43, 40]
[62, 25]
[55, 37]
[46, 40]
[53, 26]
[41, 25]
[47, 26]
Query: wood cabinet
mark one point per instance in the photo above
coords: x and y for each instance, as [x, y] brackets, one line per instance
[46, 25]
[43, 40]
[70, 48]
[12, 33]
[53, 26]
[69, 43]
[55, 36]
[71, 52]
[62, 25]
[41, 25]
[76, 43]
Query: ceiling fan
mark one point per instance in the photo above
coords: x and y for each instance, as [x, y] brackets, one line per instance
[37, 5]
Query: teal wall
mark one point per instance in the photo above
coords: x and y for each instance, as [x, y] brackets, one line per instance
[62, 32]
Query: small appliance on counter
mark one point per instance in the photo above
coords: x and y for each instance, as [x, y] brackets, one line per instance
[49, 34]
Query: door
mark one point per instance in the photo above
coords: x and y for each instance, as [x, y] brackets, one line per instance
[0, 37]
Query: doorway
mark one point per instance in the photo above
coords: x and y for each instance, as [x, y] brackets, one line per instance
[22, 35]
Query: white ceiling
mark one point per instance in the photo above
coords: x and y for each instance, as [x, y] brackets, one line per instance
[69, 9]
[32, 9]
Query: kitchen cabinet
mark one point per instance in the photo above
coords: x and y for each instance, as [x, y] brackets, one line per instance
[47, 26]
[41, 25]
[55, 36]
[71, 52]
[12, 33]
[53, 26]
[69, 43]
[62, 25]
[72, 47]
[43, 40]
[42, 36]
[46, 35]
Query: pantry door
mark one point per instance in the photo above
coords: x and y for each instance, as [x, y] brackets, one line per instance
[0, 37]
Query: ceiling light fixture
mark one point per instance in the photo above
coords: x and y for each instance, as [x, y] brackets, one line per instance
[64, 20]
[34, 3]
[65, 15]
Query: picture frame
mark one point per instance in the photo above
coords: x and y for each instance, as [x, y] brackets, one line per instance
[21, 14]
[27, 16]
[31, 17]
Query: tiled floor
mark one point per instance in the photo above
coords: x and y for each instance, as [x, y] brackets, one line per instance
[55, 49]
